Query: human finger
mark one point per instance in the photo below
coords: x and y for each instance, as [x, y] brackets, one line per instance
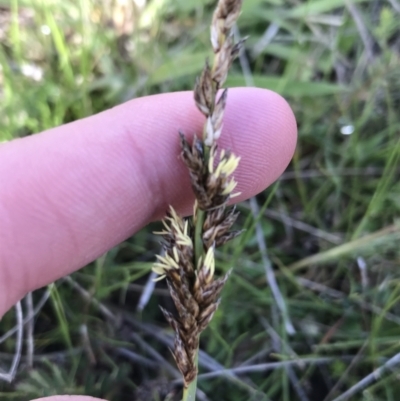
[71, 193]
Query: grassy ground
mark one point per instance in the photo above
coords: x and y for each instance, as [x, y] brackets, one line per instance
[329, 223]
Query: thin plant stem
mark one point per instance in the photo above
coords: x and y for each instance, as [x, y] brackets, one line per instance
[199, 221]
[370, 379]
[8, 377]
[189, 393]
[198, 239]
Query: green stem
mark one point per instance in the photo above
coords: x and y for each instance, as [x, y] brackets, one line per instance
[198, 236]
[189, 393]
[201, 215]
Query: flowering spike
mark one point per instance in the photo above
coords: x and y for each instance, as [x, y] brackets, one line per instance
[189, 270]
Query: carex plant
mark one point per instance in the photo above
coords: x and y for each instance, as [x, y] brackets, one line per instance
[188, 260]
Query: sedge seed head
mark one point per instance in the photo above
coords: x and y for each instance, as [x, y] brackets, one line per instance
[195, 291]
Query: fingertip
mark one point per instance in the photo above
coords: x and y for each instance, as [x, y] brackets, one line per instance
[261, 128]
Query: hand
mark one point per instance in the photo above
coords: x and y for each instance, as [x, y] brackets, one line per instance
[71, 193]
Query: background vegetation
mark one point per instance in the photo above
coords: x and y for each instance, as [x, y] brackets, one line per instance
[329, 223]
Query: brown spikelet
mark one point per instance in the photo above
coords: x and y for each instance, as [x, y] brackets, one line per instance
[215, 120]
[193, 155]
[228, 237]
[217, 225]
[225, 16]
[228, 11]
[224, 61]
[207, 315]
[236, 49]
[204, 91]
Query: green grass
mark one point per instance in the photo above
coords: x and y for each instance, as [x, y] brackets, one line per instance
[341, 186]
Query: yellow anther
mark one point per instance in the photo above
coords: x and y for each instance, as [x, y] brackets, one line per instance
[167, 261]
[209, 261]
[175, 252]
[235, 194]
[230, 165]
[230, 187]
[184, 240]
[159, 278]
[219, 168]
[211, 162]
[164, 232]
[158, 269]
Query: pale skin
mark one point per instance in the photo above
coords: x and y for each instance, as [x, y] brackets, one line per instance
[69, 194]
